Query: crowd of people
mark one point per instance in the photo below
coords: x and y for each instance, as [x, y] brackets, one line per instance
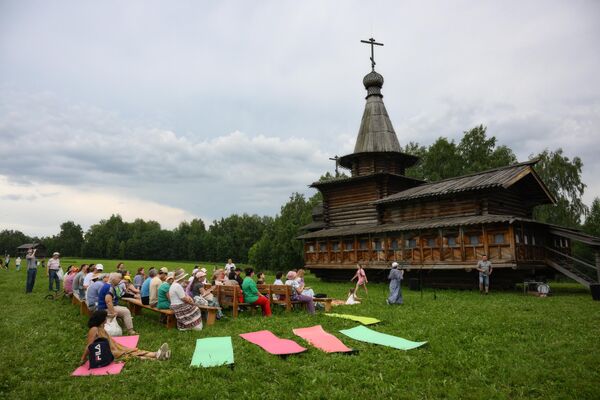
[183, 294]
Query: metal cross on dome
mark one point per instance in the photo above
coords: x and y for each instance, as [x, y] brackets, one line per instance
[373, 43]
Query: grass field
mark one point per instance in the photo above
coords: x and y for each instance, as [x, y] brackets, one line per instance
[502, 346]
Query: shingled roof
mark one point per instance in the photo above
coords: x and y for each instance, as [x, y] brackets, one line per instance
[502, 177]
[430, 223]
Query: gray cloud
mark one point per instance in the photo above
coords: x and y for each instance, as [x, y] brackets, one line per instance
[228, 107]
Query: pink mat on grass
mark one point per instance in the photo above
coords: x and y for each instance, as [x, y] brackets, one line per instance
[316, 336]
[114, 367]
[272, 344]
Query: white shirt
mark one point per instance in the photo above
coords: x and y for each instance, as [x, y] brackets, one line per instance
[18, 261]
[88, 279]
[352, 300]
[176, 294]
[53, 263]
[229, 268]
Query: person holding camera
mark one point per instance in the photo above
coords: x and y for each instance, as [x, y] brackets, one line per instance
[31, 270]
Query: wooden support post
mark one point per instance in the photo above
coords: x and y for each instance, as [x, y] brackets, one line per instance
[597, 253]
[486, 247]
[355, 249]
[511, 241]
[421, 246]
[370, 247]
[462, 243]
[441, 244]
[402, 256]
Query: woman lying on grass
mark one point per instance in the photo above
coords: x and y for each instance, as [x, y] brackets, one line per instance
[96, 325]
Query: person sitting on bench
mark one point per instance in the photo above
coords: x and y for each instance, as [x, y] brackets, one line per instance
[252, 295]
[297, 289]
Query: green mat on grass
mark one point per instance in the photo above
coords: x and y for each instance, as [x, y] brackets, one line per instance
[213, 352]
[364, 334]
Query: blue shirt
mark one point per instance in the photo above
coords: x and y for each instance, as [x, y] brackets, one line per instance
[106, 289]
[91, 297]
[146, 288]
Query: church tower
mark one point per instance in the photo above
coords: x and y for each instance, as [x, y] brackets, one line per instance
[377, 164]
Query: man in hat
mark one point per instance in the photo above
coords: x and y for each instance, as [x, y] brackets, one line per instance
[52, 271]
[31, 270]
[155, 284]
[108, 300]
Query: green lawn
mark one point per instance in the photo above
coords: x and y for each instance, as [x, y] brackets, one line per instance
[505, 345]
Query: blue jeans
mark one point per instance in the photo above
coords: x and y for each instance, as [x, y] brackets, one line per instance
[484, 279]
[53, 277]
[31, 272]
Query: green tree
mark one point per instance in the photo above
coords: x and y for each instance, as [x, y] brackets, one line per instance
[11, 239]
[278, 248]
[562, 176]
[592, 222]
[69, 240]
[442, 160]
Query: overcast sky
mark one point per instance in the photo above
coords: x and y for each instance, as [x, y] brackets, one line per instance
[173, 110]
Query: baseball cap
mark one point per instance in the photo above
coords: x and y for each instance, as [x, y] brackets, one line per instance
[163, 270]
[99, 267]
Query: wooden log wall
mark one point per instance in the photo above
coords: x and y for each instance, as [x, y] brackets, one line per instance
[509, 202]
[431, 208]
[372, 164]
[501, 202]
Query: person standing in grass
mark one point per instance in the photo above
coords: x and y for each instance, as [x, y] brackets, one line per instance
[18, 263]
[6, 261]
[230, 266]
[252, 295]
[485, 270]
[396, 275]
[52, 272]
[361, 279]
[31, 270]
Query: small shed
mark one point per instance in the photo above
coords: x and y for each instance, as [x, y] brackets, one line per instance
[41, 251]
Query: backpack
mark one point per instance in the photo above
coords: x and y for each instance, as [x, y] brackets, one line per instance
[99, 353]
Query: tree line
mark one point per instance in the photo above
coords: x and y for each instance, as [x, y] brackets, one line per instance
[270, 242]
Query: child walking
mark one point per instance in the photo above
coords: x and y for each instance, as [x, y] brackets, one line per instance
[361, 277]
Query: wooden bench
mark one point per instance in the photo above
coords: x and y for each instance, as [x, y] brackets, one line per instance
[83, 308]
[136, 306]
[229, 296]
[327, 302]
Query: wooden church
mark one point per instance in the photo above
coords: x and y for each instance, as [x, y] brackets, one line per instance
[437, 230]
